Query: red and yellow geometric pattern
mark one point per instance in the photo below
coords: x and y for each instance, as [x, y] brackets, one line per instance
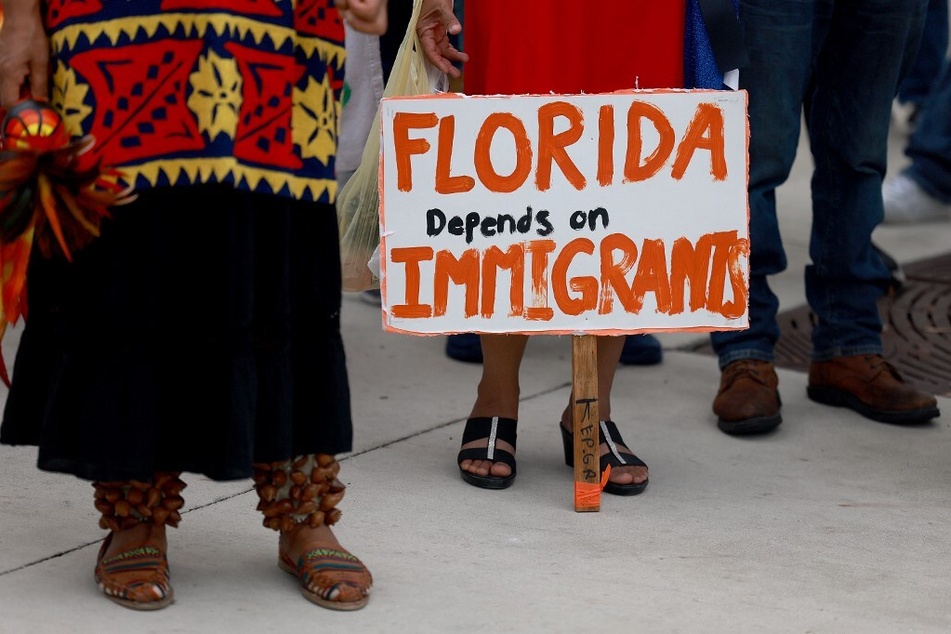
[181, 92]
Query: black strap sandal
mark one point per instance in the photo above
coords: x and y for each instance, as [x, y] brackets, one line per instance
[493, 429]
[615, 457]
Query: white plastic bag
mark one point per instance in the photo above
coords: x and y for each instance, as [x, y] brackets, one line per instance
[358, 202]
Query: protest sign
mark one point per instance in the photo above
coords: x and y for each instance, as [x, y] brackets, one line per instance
[564, 214]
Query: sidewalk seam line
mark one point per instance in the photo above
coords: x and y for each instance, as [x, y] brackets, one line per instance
[245, 492]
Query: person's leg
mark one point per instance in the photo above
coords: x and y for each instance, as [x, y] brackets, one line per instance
[465, 347]
[299, 499]
[641, 350]
[497, 396]
[132, 567]
[922, 191]
[930, 146]
[609, 351]
[869, 47]
[779, 36]
[498, 390]
[918, 84]
[638, 349]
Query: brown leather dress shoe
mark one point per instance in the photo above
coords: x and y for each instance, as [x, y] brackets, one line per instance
[748, 401]
[872, 387]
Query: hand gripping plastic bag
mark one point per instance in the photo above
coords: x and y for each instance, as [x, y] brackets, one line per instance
[358, 202]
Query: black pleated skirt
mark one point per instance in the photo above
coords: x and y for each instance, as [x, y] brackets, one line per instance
[199, 333]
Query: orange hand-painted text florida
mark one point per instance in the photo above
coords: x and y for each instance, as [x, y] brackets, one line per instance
[560, 125]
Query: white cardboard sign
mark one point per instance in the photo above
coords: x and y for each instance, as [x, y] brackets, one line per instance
[564, 214]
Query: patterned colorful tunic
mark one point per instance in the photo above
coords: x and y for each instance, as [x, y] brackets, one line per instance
[181, 92]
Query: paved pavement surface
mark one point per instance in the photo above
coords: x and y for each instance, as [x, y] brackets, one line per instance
[832, 524]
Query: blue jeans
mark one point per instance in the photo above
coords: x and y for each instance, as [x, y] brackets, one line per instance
[930, 146]
[920, 80]
[839, 63]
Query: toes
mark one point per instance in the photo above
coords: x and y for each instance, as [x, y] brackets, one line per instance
[620, 477]
[500, 470]
[348, 593]
[475, 467]
[486, 467]
[628, 475]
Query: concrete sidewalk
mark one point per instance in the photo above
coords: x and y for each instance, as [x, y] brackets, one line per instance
[832, 524]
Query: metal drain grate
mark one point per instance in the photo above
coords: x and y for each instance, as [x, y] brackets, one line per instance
[917, 328]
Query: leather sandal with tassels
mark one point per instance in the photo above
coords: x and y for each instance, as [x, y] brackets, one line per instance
[302, 495]
[491, 430]
[330, 577]
[137, 577]
[616, 457]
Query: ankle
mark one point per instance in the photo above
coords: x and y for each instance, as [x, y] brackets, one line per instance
[303, 537]
[138, 534]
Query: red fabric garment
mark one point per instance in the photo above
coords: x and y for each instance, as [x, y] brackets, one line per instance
[572, 46]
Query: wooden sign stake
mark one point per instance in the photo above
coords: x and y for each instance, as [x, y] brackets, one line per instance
[585, 422]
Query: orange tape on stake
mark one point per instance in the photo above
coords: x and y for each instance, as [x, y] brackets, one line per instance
[588, 494]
